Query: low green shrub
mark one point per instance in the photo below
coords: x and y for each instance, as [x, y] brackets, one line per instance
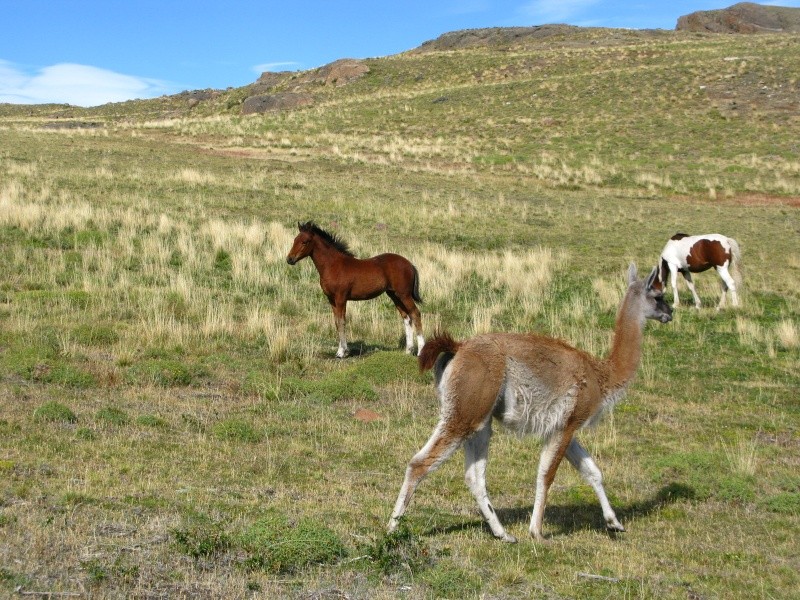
[278, 546]
[113, 416]
[165, 372]
[200, 536]
[54, 412]
[237, 430]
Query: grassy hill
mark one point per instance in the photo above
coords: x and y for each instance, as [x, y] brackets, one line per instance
[173, 422]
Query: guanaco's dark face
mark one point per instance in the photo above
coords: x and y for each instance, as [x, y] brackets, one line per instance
[657, 308]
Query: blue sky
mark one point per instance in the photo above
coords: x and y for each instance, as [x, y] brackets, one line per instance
[89, 52]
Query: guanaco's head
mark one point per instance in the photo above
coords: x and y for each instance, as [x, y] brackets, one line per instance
[650, 293]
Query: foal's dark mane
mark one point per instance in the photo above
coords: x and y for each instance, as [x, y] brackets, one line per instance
[340, 245]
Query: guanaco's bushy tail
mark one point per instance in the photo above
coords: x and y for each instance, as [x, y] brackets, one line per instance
[442, 342]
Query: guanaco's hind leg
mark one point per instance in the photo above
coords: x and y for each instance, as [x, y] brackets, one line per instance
[552, 453]
[585, 465]
[476, 453]
[439, 447]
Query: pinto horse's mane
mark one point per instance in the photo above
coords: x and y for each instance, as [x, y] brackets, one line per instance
[340, 245]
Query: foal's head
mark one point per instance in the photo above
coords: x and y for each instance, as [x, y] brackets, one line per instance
[305, 242]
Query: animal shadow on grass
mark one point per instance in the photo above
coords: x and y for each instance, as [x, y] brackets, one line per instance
[564, 519]
[359, 348]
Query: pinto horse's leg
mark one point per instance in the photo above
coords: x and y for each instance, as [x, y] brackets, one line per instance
[727, 284]
[688, 277]
[673, 278]
[339, 315]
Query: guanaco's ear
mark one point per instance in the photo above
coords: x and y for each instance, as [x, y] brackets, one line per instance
[633, 277]
[653, 280]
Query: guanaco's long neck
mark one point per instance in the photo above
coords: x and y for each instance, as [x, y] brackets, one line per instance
[626, 350]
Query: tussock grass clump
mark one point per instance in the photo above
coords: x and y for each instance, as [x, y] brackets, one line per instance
[152, 421]
[400, 550]
[784, 502]
[447, 580]
[237, 430]
[113, 416]
[201, 536]
[277, 545]
[54, 412]
[338, 385]
[165, 372]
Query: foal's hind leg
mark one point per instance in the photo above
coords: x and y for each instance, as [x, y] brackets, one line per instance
[339, 317]
[416, 319]
[411, 320]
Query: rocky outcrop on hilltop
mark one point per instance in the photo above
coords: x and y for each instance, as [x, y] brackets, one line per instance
[493, 36]
[744, 17]
[286, 90]
[280, 101]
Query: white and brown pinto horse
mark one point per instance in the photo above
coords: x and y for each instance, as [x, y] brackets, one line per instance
[687, 254]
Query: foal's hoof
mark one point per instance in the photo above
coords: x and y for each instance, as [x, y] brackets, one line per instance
[507, 537]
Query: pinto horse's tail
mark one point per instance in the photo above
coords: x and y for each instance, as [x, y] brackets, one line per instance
[415, 289]
[736, 268]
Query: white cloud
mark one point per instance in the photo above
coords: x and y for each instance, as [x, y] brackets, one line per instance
[80, 85]
[554, 11]
[274, 66]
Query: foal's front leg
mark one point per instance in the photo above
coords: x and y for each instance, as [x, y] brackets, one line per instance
[339, 314]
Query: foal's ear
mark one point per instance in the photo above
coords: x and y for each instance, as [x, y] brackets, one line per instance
[633, 276]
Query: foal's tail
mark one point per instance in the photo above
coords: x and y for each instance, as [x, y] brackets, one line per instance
[415, 289]
[736, 262]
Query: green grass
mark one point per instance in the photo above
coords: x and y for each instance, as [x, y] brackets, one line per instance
[172, 418]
